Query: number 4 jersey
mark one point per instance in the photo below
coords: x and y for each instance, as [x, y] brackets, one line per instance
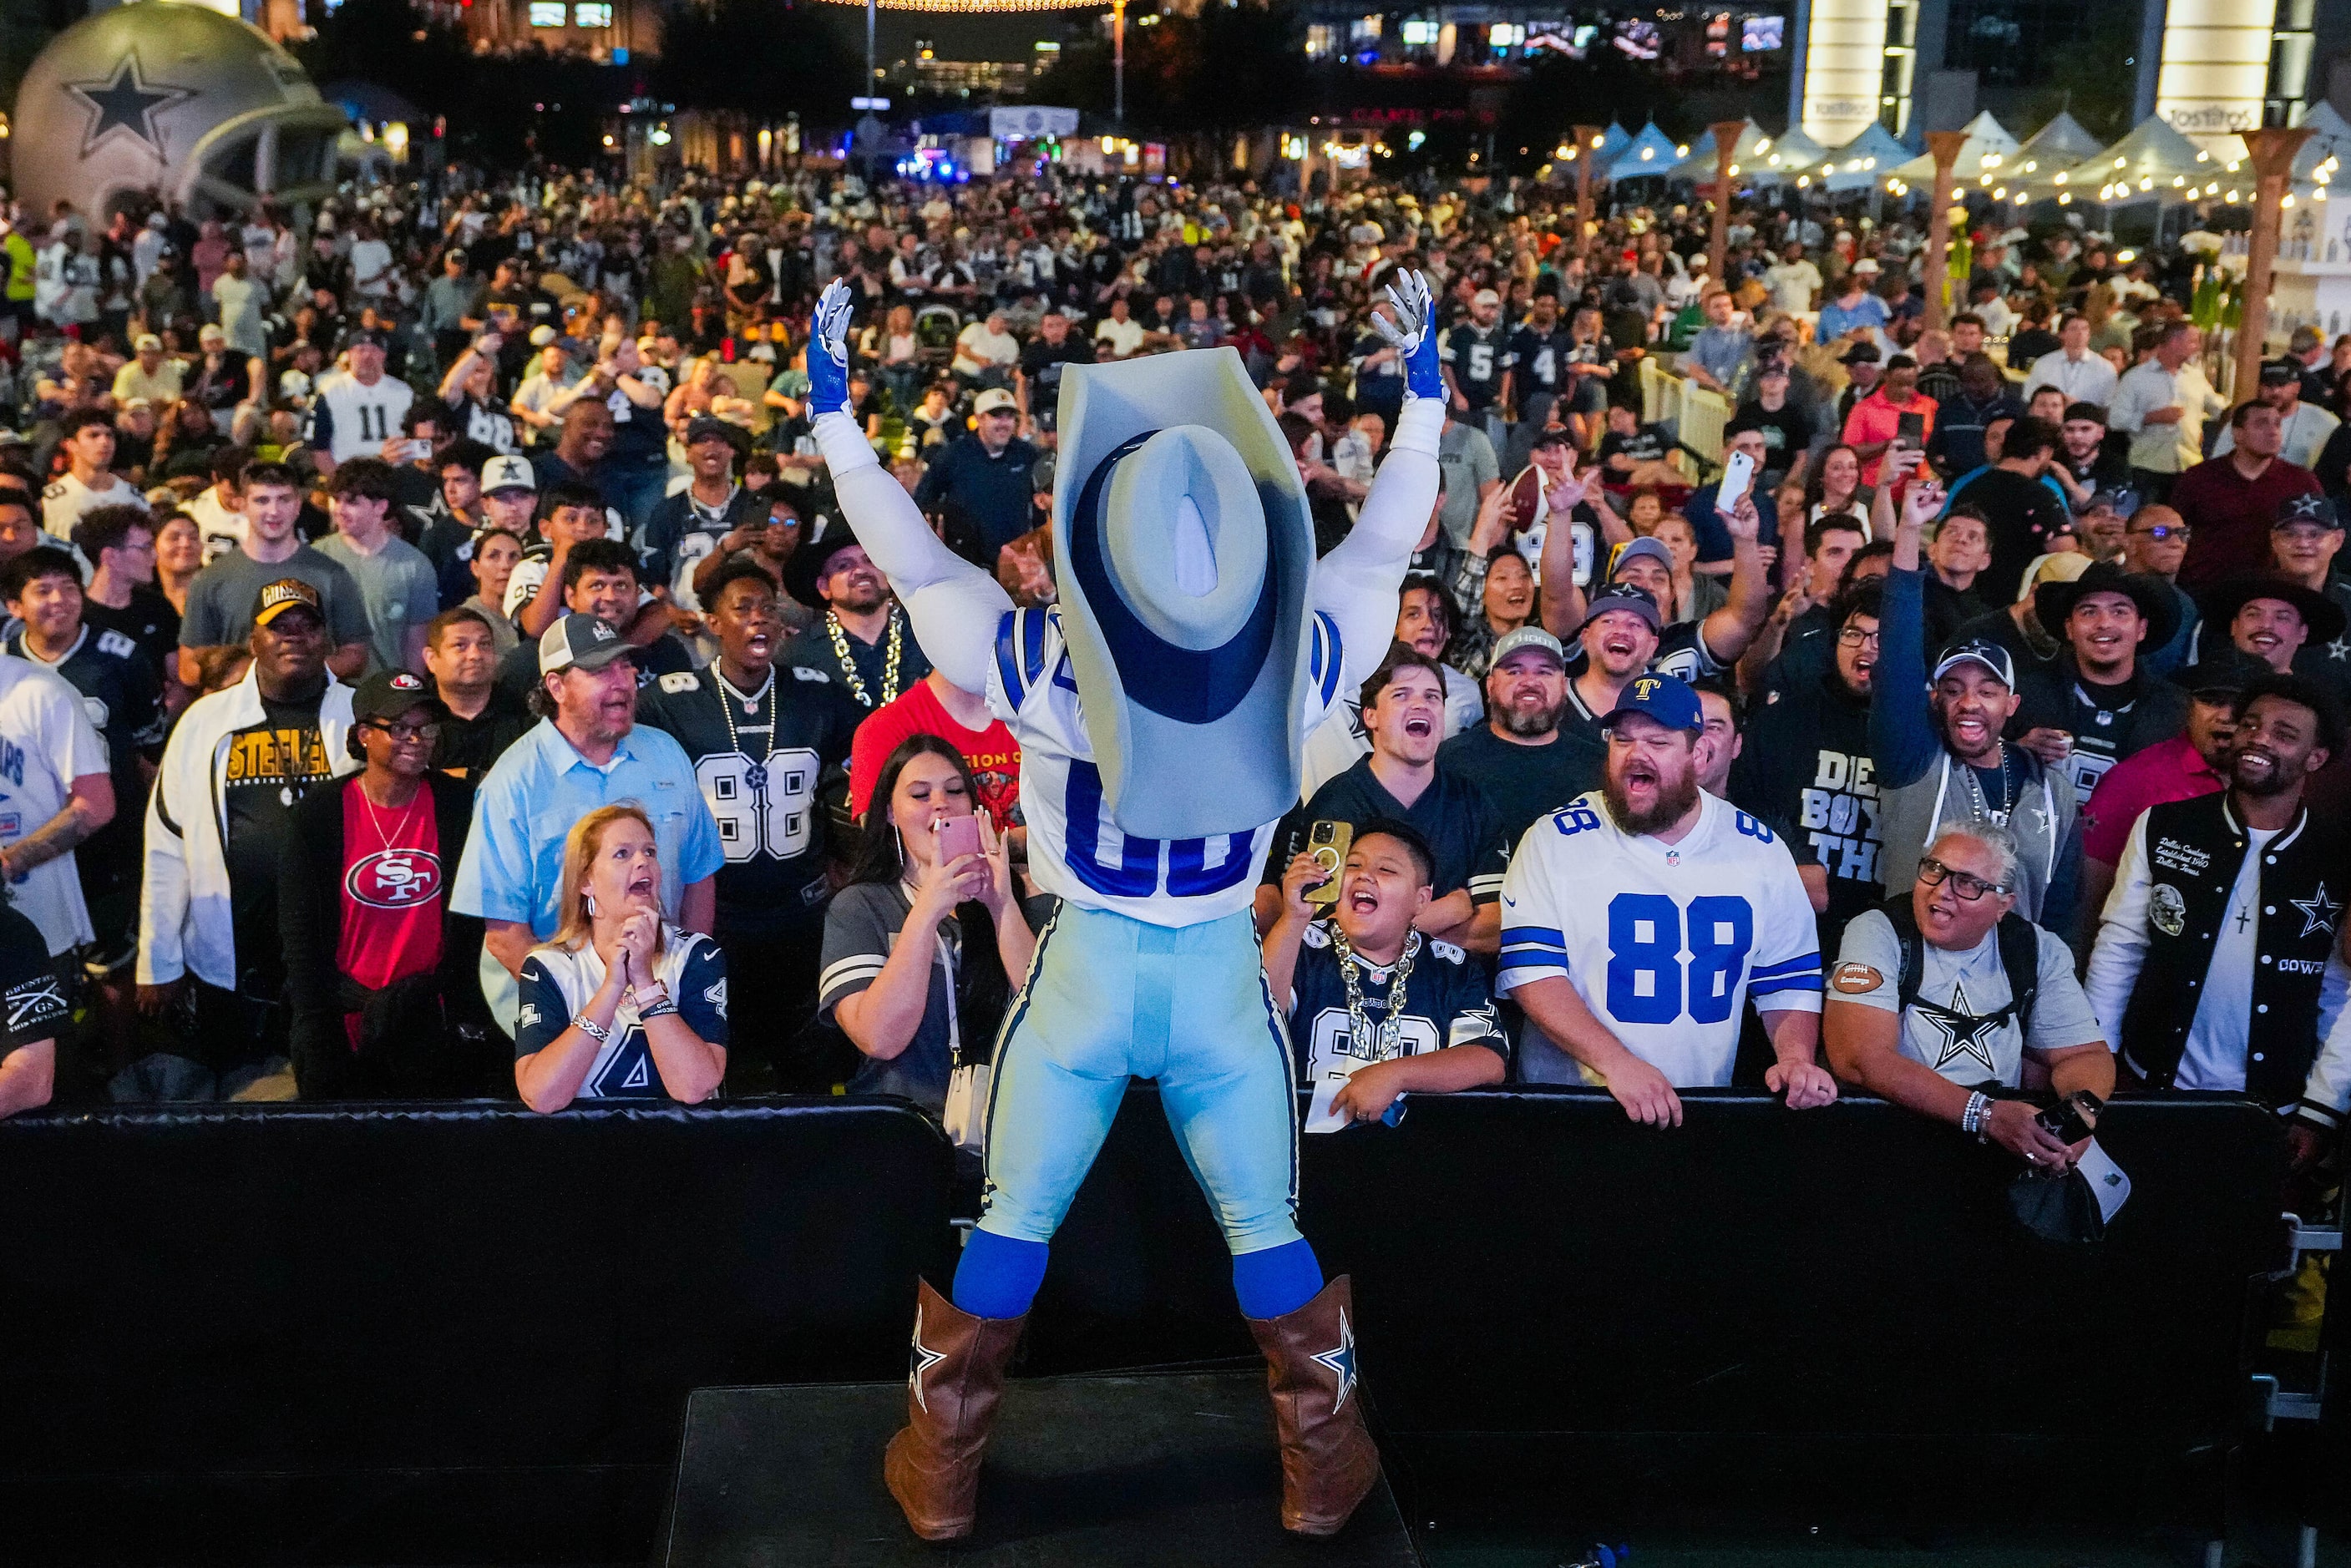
[758, 757]
[1663, 942]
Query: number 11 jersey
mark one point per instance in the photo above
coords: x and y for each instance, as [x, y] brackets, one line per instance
[1663, 942]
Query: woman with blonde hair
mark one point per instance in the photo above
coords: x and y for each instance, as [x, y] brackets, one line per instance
[620, 1004]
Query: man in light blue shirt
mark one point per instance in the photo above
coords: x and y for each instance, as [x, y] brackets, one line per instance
[587, 754]
[1719, 356]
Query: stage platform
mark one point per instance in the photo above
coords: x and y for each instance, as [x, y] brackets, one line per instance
[1161, 1471]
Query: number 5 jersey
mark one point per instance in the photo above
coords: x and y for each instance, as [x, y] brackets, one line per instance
[1663, 942]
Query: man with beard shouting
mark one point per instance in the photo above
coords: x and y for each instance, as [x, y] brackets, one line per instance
[1942, 762]
[1638, 920]
[2221, 927]
[1527, 764]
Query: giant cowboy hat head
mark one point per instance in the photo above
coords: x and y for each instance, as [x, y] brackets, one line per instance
[1183, 546]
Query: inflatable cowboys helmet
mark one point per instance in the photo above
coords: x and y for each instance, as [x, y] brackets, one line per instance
[171, 98]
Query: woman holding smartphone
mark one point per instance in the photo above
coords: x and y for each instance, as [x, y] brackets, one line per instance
[921, 948]
[619, 1004]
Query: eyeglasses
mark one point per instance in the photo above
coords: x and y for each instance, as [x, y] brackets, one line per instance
[2161, 531]
[410, 731]
[1854, 637]
[1970, 889]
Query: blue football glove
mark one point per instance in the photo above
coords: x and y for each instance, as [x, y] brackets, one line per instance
[1412, 332]
[827, 351]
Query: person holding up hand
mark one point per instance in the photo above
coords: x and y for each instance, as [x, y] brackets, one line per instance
[619, 1004]
[920, 947]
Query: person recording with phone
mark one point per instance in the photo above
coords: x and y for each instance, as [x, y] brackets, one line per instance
[1925, 1005]
[619, 1003]
[921, 948]
[1376, 1009]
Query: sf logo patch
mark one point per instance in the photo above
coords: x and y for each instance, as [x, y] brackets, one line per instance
[395, 879]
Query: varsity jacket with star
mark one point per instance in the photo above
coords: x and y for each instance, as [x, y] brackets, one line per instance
[2155, 957]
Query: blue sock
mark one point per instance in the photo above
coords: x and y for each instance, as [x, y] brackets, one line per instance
[998, 1275]
[1274, 1283]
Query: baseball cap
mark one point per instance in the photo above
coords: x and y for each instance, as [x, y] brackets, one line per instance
[1865, 265]
[145, 341]
[705, 428]
[387, 694]
[210, 332]
[2314, 509]
[373, 337]
[1663, 698]
[1484, 297]
[1621, 597]
[1553, 435]
[541, 335]
[1632, 550]
[2278, 372]
[1520, 639]
[2119, 499]
[994, 399]
[1862, 354]
[287, 592]
[1990, 655]
[504, 473]
[579, 641]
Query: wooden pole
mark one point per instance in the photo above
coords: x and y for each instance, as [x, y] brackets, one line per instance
[2272, 150]
[1587, 141]
[1718, 245]
[1945, 147]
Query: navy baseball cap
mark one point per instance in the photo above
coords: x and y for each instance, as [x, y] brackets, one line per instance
[1624, 598]
[2119, 499]
[2314, 509]
[1665, 699]
[1990, 655]
[1632, 550]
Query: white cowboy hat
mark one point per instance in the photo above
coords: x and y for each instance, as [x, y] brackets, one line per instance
[1183, 548]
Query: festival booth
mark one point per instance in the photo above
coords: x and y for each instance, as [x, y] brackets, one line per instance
[1796, 156]
[1749, 156]
[1648, 155]
[2310, 283]
[1987, 151]
[1863, 163]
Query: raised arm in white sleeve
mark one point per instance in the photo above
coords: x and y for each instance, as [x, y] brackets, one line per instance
[954, 606]
[1356, 584]
[2327, 1093]
[2121, 946]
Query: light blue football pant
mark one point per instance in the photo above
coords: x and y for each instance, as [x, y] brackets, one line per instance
[1110, 998]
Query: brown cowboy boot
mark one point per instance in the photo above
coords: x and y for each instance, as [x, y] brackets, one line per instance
[1328, 1460]
[932, 1467]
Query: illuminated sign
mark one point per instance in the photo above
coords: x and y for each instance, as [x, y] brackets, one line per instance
[550, 14]
[1844, 69]
[2216, 65]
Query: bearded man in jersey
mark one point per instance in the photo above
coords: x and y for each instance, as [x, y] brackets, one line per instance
[1638, 920]
[761, 738]
[1204, 643]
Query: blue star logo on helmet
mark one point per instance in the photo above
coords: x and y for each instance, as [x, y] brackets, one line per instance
[125, 103]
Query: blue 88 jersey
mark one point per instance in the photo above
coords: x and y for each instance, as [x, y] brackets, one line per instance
[1662, 941]
[760, 780]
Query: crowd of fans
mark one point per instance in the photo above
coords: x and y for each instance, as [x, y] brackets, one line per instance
[436, 665]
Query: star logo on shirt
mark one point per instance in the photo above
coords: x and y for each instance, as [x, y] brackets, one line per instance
[1962, 1032]
[2319, 912]
[1341, 1359]
[2340, 648]
[125, 103]
[924, 1358]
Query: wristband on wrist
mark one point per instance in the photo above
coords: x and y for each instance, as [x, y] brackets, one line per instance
[664, 1008]
[1976, 1118]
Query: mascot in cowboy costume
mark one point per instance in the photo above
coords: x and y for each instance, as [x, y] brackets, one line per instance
[1161, 707]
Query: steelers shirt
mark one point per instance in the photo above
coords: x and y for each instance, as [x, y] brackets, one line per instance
[758, 757]
[1663, 942]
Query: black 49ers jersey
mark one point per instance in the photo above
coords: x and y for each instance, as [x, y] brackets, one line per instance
[758, 758]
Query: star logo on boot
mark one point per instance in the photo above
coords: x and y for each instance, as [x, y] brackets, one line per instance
[1341, 1359]
[924, 1358]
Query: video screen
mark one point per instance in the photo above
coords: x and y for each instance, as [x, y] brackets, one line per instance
[1559, 38]
[1639, 40]
[1758, 33]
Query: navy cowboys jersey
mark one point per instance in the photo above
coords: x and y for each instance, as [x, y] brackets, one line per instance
[1446, 1003]
[121, 694]
[556, 985]
[1478, 354]
[760, 780]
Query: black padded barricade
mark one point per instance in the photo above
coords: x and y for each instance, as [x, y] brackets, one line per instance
[1845, 1286]
[254, 1328]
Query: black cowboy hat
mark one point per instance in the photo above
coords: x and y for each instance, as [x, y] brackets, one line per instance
[2321, 614]
[807, 567]
[2053, 601]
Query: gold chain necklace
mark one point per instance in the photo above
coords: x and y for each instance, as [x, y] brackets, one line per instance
[1383, 1043]
[849, 666]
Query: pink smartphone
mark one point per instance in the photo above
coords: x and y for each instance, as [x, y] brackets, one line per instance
[957, 837]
